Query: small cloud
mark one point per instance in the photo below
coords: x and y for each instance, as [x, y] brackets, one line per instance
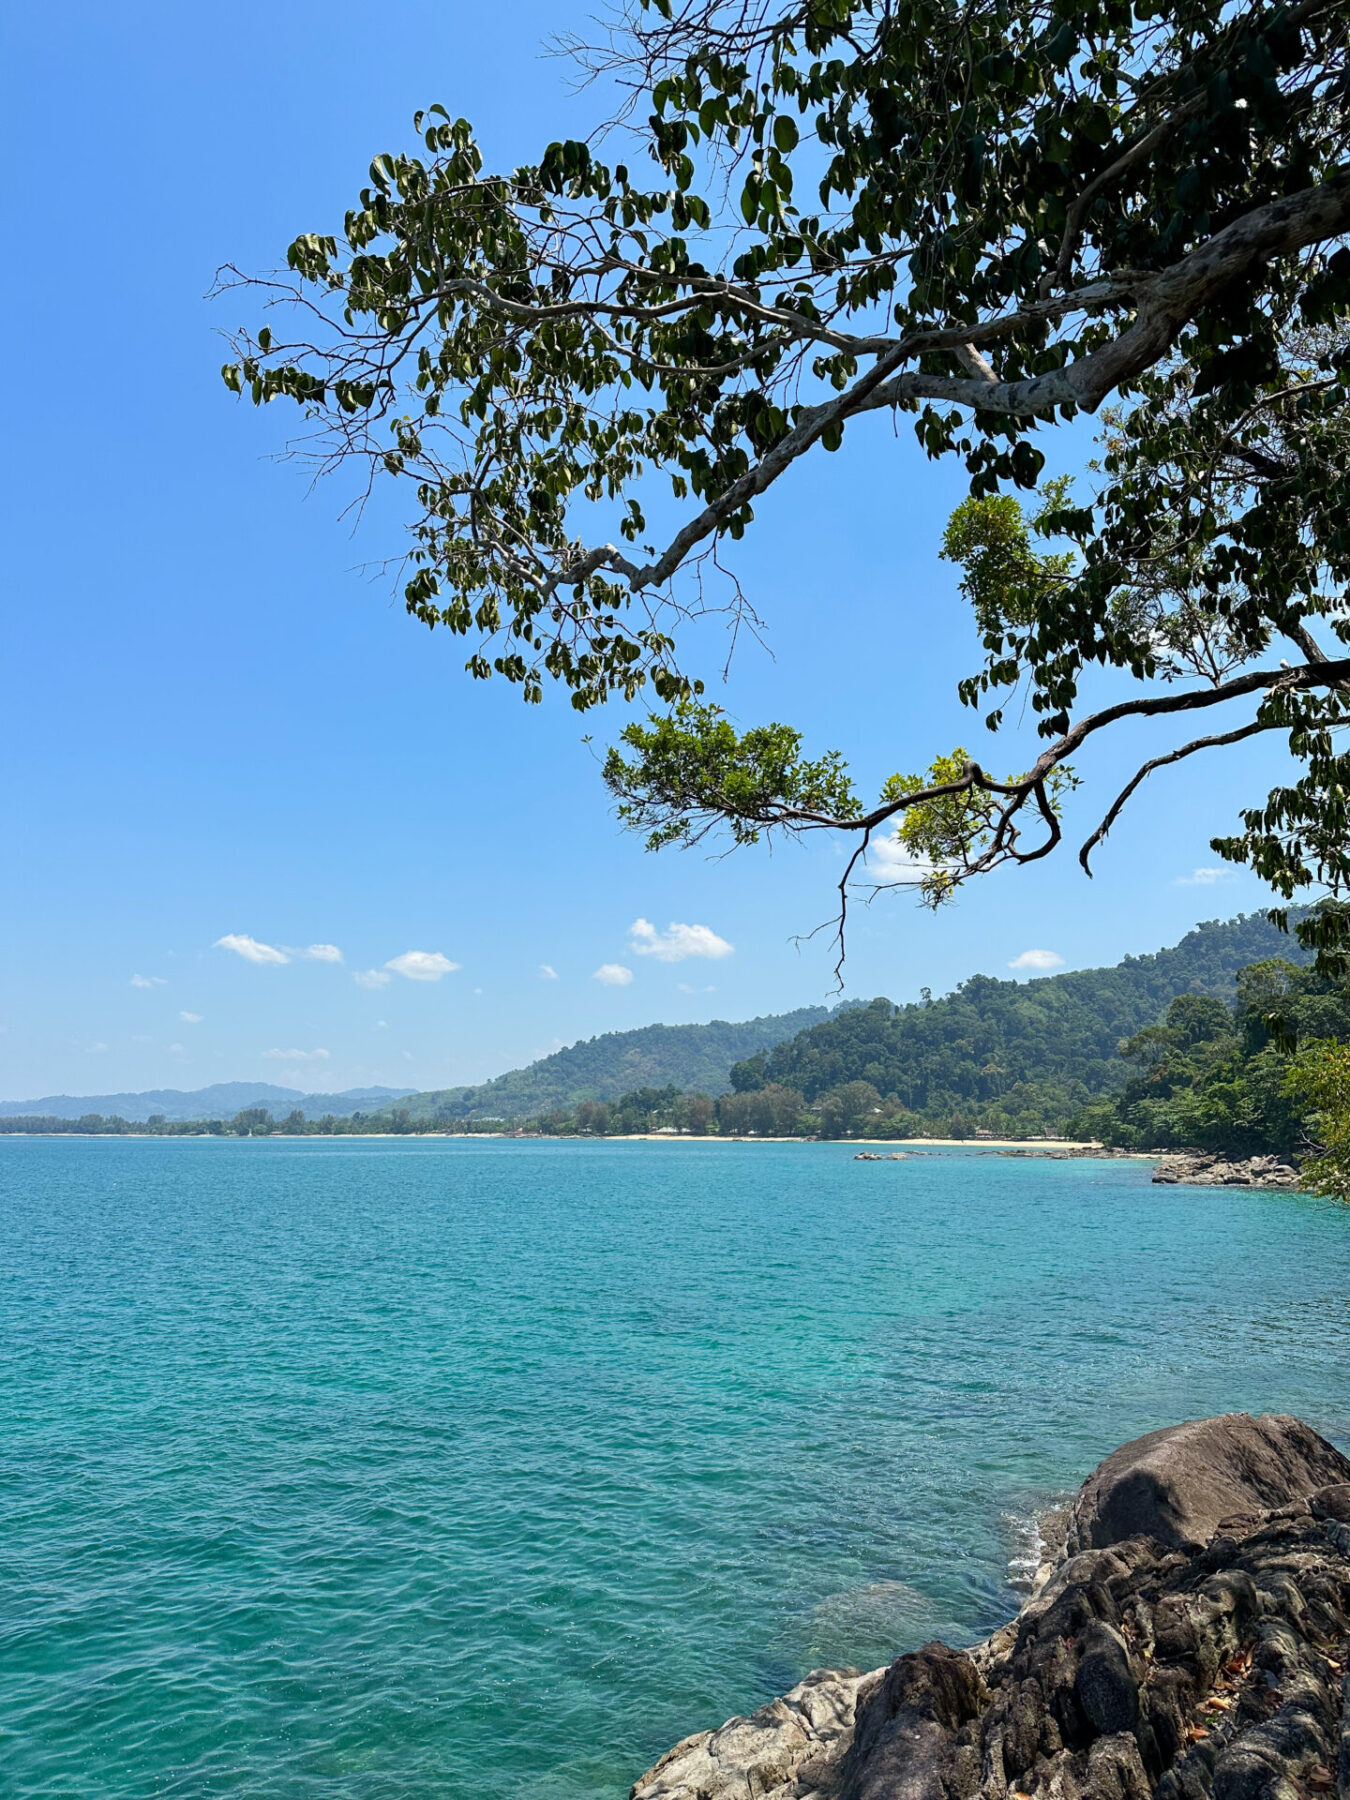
[190, 1018]
[891, 863]
[148, 981]
[613, 975]
[421, 965]
[1037, 959]
[95, 1048]
[381, 1024]
[297, 1055]
[685, 988]
[548, 972]
[676, 942]
[175, 1050]
[321, 953]
[371, 978]
[1204, 877]
[250, 949]
[478, 990]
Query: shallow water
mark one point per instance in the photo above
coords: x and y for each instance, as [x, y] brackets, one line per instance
[376, 1470]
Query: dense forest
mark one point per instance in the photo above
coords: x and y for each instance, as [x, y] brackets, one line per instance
[1009, 1057]
[1225, 1078]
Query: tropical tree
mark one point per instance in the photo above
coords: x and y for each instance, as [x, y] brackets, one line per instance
[985, 216]
[1320, 1079]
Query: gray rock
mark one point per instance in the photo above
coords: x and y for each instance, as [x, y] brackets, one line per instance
[1179, 1484]
[1198, 1168]
[902, 1740]
[764, 1753]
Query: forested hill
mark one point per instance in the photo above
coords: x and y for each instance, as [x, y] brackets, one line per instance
[1013, 1055]
[693, 1058]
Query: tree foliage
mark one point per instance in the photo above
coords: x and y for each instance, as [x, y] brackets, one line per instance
[986, 217]
[1320, 1081]
[1243, 1080]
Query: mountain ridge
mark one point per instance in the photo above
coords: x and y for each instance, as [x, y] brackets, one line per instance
[220, 1100]
[695, 1058]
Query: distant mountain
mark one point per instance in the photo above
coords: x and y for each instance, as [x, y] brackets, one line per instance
[222, 1100]
[1013, 1055]
[694, 1058]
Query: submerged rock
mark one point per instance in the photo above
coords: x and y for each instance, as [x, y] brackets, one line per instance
[1192, 1644]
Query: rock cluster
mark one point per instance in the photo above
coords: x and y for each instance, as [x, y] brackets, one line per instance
[1197, 1168]
[1191, 1645]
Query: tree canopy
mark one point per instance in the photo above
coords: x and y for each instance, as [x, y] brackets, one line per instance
[987, 217]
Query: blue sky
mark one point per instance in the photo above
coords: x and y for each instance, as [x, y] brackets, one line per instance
[218, 723]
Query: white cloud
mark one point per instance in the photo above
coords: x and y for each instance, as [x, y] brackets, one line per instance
[297, 1055]
[1204, 877]
[613, 975]
[321, 953]
[891, 863]
[175, 1050]
[93, 1048]
[1037, 959]
[250, 949]
[190, 1018]
[676, 942]
[421, 965]
[148, 981]
[685, 988]
[548, 971]
[381, 1024]
[371, 978]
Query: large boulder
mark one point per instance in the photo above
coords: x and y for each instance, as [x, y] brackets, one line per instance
[1178, 1485]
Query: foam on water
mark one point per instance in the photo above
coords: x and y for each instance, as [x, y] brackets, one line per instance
[377, 1470]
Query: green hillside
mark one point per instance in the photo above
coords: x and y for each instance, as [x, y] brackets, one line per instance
[1006, 1055]
[693, 1058]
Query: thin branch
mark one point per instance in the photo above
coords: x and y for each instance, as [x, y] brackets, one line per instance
[1161, 762]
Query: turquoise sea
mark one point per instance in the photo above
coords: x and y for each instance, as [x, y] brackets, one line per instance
[389, 1470]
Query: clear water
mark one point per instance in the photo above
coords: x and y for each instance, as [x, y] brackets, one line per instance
[378, 1470]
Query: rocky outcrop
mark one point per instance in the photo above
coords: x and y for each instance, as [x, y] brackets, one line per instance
[1193, 1644]
[1197, 1168]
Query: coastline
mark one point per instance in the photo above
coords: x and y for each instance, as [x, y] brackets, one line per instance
[1026, 1146]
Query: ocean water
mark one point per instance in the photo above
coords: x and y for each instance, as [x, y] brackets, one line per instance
[389, 1470]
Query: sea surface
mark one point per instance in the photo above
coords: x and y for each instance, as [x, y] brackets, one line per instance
[390, 1470]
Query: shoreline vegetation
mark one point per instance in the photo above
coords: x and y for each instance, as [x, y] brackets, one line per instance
[1017, 1146]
